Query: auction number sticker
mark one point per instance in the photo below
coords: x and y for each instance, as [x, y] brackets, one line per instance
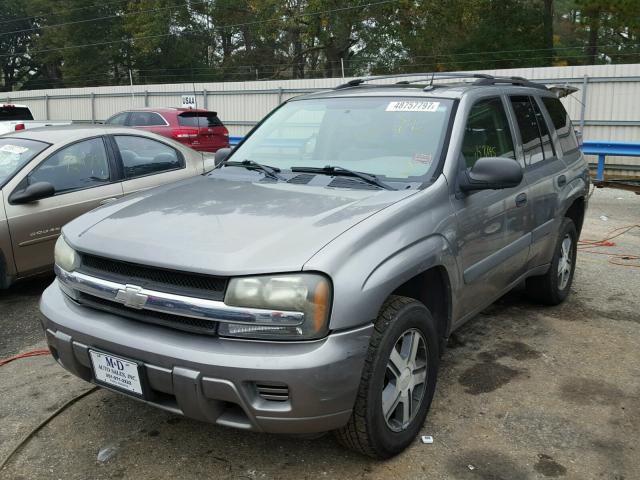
[14, 149]
[116, 371]
[412, 106]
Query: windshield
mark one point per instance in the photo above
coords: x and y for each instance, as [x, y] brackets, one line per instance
[395, 138]
[15, 153]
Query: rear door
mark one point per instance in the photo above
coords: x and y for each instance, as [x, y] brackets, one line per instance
[83, 177]
[150, 121]
[146, 162]
[493, 225]
[202, 131]
[544, 174]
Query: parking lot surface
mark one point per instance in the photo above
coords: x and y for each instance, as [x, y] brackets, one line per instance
[525, 392]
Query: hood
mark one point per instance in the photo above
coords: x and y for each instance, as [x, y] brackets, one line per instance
[219, 226]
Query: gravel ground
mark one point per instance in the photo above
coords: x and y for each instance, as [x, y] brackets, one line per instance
[525, 392]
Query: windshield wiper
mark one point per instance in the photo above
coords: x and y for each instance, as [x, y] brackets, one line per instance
[341, 171]
[271, 172]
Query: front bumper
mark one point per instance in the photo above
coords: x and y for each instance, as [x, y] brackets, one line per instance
[216, 379]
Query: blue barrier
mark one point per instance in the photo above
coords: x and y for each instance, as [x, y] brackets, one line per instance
[233, 141]
[599, 148]
[602, 149]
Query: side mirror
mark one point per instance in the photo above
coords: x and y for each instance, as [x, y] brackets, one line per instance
[221, 155]
[32, 193]
[491, 173]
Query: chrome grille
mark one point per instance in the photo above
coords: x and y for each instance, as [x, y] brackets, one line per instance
[170, 281]
[193, 325]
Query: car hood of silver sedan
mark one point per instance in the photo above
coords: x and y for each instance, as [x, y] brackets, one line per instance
[225, 227]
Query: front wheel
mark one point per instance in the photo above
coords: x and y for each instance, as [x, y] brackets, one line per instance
[398, 381]
[553, 287]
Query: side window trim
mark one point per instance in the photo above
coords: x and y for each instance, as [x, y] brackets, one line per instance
[118, 157]
[111, 181]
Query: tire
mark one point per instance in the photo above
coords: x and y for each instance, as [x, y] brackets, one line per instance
[400, 320]
[553, 287]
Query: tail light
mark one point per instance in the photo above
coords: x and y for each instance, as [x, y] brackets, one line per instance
[185, 133]
[19, 126]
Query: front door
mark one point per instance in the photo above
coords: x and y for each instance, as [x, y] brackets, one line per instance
[82, 178]
[493, 225]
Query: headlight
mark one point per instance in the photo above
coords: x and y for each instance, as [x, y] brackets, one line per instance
[301, 292]
[65, 256]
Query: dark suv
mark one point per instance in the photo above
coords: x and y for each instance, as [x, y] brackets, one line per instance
[310, 282]
[199, 129]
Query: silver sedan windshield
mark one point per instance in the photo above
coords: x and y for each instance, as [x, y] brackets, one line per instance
[15, 153]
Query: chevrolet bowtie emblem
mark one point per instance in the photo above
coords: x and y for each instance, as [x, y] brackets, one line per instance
[132, 296]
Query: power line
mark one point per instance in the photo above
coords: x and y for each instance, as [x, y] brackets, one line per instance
[108, 17]
[221, 27]
[13, 20]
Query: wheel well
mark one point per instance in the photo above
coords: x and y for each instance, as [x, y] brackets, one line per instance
[576, 213]
[432, 288]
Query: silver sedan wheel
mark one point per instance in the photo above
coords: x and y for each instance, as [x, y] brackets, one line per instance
[564, 262]
[405, 380]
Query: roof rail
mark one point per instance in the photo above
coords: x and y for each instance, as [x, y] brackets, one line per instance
[481, 79]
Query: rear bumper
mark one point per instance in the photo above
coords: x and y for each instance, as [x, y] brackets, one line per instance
[215, 379]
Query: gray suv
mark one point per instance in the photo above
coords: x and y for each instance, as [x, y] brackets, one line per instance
[310, 282]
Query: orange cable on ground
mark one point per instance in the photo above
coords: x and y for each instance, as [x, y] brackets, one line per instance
[621, 259]
[32, 353]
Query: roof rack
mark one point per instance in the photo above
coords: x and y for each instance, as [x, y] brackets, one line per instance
[481, 79]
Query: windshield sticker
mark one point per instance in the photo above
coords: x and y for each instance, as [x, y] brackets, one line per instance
[15, 149]
[424, 158]
[408, 106]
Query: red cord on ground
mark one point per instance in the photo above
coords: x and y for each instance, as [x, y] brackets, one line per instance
[32, 353]
[622, 259]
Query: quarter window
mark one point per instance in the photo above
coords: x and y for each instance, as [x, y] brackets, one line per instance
[487, 132]
[78, 166]
[562, 124]
[143, 156]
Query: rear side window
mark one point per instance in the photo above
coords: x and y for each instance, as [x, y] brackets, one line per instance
[146, 119]
[487, 132]
[118, 119]
[562, 124]
[199, 120]
[10, 112]
[144, 156]
[76, 167]
[527, 119]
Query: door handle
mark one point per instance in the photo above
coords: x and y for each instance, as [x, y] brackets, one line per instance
[107, 200]
[521, 200]
[562, 181]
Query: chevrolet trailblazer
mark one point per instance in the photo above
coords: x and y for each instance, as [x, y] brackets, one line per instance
[310, 281]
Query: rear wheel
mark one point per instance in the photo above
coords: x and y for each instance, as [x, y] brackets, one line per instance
[398, 381]
[553, 287]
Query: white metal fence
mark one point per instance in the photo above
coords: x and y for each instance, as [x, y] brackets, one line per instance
[606, 108]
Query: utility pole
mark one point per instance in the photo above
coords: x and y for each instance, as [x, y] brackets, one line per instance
[131, 82]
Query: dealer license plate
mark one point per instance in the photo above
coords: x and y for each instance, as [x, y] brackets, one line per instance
[116, 372]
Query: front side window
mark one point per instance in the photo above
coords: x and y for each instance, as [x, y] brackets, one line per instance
[144, 156]
[562, 124]
[394, 138]
[15, 153]
[78, 166]
[487, 132]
